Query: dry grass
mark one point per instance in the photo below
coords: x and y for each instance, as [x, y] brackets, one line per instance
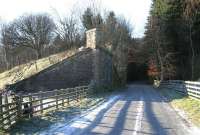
[21, 72]
[190, 106]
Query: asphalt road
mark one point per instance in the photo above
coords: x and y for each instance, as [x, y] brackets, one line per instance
[139, 111]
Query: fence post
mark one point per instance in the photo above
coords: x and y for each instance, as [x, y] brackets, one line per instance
[41, 102]
[68, 96]
[86, 90]
[91, 89]
[81, 93]
[1, 111]
[63, 97]
[77, 95]
[56, 99]
[7, 108]
[6, 102]
[31, 105]
[83, 96]
[19, 101]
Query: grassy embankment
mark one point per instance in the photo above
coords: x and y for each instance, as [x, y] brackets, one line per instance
[21, 72]
[190, 106]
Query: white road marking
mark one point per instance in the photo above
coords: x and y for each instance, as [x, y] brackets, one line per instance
[138, 122]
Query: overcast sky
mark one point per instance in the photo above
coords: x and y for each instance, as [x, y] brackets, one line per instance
[136, 11]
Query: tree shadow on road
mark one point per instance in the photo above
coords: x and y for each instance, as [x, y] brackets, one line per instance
[119, 118]
[37, 124]
[171, 94]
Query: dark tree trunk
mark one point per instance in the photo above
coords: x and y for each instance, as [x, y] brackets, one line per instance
[193, 53]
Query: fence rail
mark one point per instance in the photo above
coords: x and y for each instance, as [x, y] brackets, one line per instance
[185, 87]
[14, 107]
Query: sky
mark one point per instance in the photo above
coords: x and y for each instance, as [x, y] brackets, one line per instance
[136, 11]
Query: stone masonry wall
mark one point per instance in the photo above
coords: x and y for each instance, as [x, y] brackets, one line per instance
[102, 68]
[74, 71]
[93, 38]
[93, 64]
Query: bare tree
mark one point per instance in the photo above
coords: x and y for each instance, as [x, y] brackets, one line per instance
[7, 46]
[162, 57]
[34, 31]
[25, 36]
[68, 31]
[118, 35]
[191, 11]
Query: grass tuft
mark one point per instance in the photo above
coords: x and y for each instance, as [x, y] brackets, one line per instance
[190, 106]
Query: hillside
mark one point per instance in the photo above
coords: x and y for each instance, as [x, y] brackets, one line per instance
[21, 72]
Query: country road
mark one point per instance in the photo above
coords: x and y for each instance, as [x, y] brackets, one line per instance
[139, 110]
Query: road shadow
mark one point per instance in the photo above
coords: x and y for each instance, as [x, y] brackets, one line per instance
[39, 123]
[121, 120]
[151, 115]
[29, 126]
[171, 94]
[117, 118]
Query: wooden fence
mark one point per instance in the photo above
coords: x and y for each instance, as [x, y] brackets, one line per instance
[14, 107]
[185, 87]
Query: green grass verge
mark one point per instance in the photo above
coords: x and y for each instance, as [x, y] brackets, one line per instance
[190, 106]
